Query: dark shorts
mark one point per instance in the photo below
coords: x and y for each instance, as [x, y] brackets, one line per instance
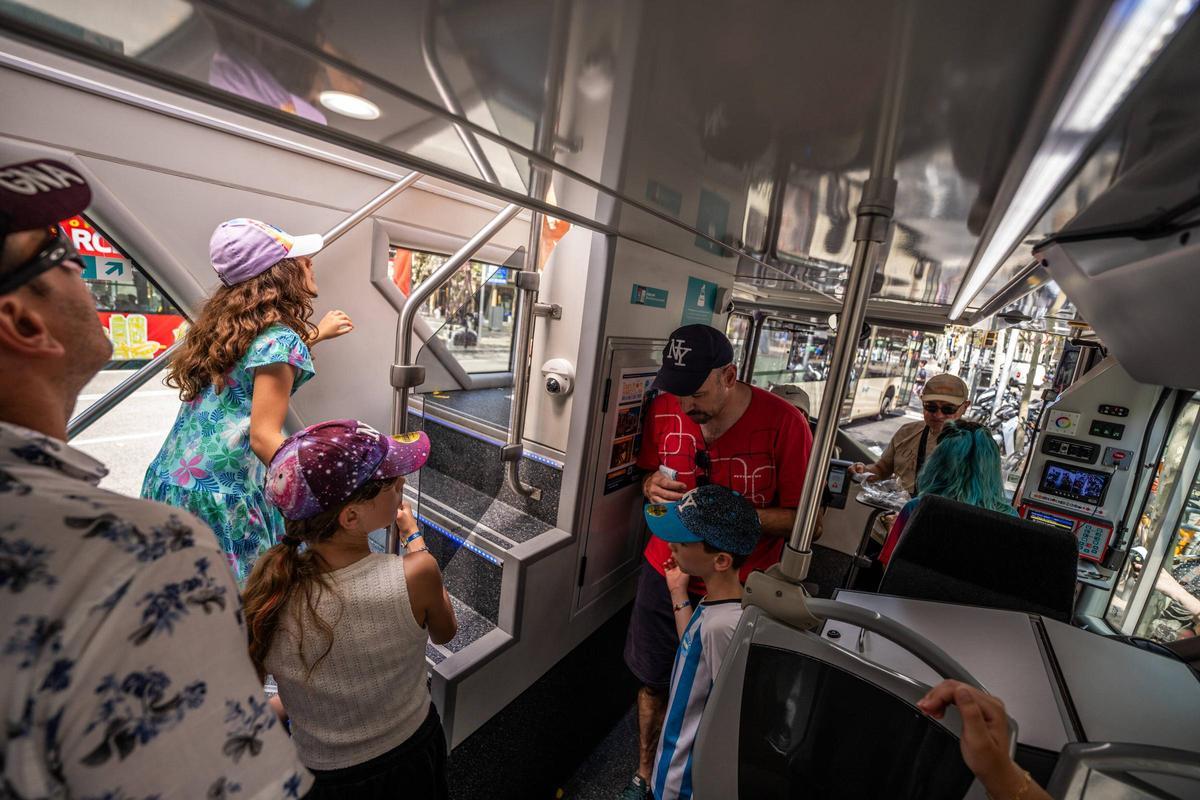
[652, 640]
[416, 769]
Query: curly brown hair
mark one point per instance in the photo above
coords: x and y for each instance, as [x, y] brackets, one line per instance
[232, 318]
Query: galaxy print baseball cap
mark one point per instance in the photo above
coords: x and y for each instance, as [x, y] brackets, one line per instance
[713, 514]
[242, 248]
[317, 468]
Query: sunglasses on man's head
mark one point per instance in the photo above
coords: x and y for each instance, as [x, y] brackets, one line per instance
[55, 252]
[704, 462]
[946, 408]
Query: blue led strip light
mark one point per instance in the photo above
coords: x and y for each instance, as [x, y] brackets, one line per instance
[461, 541]
[549, 462]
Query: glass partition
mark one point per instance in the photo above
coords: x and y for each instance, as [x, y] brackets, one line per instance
[142, 323]
[472, 313]
[1165, 600]
[738, 331]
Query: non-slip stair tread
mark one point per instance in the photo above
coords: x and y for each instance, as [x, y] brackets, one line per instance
[489, 405]
[512, 525]
[471, 626]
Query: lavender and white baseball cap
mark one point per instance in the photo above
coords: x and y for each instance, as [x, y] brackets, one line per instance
[317, 468]
[242, 248]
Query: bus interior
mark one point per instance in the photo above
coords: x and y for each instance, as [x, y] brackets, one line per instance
[522, 198]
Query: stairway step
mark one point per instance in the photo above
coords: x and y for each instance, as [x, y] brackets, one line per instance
[473, 459]
[491, 406]
[471, 575]
[491, 518]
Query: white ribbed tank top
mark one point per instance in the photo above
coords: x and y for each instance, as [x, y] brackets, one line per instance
[369, 694]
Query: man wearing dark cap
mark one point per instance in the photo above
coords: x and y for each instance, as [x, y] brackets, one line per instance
[124, 670]
[705, 427]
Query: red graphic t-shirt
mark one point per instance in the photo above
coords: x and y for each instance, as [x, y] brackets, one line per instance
[763, 457]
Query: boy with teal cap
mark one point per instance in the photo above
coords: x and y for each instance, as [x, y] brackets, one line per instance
[710, 531]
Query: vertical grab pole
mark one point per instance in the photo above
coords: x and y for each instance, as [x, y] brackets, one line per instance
[778, 591]
[870, 233]
[529, 280]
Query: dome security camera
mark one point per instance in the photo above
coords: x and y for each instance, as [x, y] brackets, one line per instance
[558, 376]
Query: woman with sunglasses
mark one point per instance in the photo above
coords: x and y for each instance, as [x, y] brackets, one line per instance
[944, 400]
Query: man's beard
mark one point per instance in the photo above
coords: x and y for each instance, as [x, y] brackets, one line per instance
[699, 417]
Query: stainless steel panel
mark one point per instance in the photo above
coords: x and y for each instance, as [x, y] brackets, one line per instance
[1000, 648]
[1124, 694]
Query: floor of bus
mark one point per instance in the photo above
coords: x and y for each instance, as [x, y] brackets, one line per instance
[572, 734]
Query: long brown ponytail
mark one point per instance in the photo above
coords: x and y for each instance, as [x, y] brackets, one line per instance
[286, 573]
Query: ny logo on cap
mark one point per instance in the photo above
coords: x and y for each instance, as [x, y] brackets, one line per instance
[676, 351]
[688, 501]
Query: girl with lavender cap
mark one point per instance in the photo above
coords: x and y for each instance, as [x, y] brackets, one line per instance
[240, 362]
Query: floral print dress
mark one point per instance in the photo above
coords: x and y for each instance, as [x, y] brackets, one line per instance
[206, 465]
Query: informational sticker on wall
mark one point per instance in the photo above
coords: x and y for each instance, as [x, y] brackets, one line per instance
[665, 197]
[648, 296]
[1065, 423]
[712, 218]
[633, 399]
[698, 302]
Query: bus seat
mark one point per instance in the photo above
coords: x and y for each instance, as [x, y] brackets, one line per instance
[957, 553]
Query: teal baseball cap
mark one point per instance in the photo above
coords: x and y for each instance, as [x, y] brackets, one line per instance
[713, 514]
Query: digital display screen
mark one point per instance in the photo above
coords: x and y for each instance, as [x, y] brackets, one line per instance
[1074, 483]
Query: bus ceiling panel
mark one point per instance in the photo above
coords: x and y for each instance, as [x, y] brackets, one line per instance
[1154, 144]
[747, 131]
[1140, 296]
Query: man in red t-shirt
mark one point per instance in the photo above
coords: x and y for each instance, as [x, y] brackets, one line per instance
[705, 427]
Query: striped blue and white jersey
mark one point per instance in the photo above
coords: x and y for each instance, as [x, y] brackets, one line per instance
[697, 661]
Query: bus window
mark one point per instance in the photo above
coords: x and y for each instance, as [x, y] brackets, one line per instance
[142, 322]
[1171, 608]
[738, 331]
[472, 313]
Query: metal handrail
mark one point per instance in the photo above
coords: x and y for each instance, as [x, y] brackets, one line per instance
[446, 93]
[86, 418]
[374, 204]
[405, 374]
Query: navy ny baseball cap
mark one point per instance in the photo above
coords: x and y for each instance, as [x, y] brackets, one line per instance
[38, 194]
[692, 352]
[713, 514]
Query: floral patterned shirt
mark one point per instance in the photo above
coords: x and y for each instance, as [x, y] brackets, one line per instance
[208, 448]
[123, 665]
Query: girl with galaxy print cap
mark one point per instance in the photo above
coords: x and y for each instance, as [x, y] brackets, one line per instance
[343, 630]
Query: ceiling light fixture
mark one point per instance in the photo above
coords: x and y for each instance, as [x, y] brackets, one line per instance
[349, 105]
[1131, 37]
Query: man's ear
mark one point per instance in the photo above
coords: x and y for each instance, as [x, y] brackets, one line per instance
[729, 374]
[24, 330]
[723, 562]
